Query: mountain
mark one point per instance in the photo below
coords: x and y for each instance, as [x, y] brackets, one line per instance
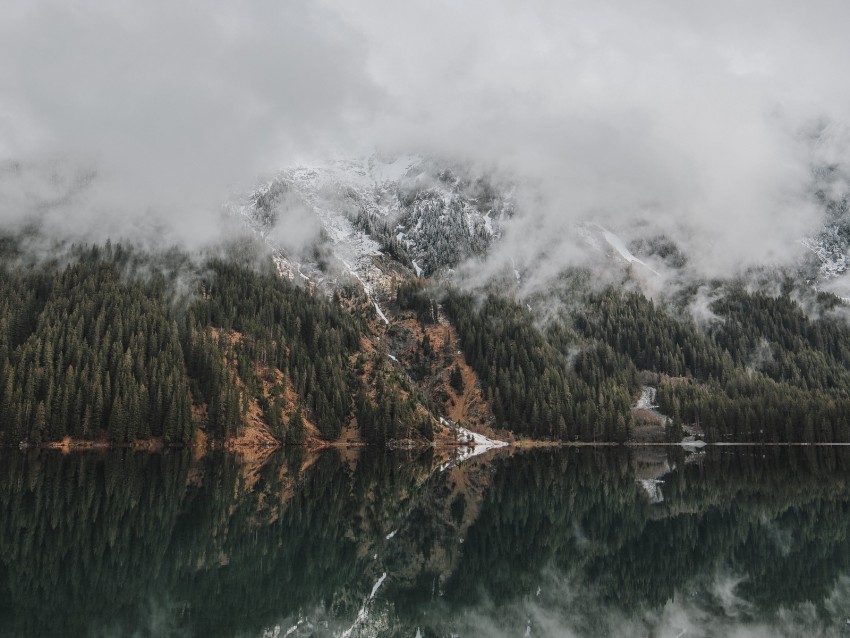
[103, 345]
[427, 215]
[371, 216]
[830, 246]
[392, 220]
[346, 319]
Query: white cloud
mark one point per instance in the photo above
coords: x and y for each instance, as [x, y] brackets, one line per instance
[173, 104]
[688, 115]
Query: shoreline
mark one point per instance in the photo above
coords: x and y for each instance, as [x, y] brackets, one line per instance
[68, 446]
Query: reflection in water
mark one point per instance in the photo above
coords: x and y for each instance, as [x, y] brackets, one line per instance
[538, 543]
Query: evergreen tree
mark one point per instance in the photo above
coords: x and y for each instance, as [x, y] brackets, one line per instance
[456, 379]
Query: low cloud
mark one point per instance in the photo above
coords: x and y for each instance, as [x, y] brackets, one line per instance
[701, 122]
[166, 108]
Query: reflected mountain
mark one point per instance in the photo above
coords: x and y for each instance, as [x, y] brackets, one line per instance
[580, 541]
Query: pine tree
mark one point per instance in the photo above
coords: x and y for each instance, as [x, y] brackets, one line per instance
[456, 379]
[295, 431]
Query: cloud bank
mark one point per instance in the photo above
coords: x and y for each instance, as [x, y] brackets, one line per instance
[702, 120]
[699, 120]
[165, 106]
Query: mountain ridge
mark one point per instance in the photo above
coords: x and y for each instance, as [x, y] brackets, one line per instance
[361, 330]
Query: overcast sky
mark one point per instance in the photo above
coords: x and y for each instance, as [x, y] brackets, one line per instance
[691, 114]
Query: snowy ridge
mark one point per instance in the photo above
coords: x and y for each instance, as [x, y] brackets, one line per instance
[428, 216]
[431, 215]
[831, 254]
[598, 236]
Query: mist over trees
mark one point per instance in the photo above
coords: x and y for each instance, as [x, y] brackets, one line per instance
[765, 371]
[98, 345]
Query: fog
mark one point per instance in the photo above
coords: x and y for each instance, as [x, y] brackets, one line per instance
[699, 120]
[166, 108]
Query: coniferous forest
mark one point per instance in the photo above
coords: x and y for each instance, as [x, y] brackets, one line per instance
[765, 370]
[101, 345]
[110, 343]
[84, 350]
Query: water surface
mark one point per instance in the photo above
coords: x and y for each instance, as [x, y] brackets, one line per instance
[574, 542]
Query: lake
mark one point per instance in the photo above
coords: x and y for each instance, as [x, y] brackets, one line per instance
[612, 541]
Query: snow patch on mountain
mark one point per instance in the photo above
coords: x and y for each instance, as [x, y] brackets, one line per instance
[472, 444]
[831, 253]
[647, 398]
[428, 216]
[384, 216]
[620, 246]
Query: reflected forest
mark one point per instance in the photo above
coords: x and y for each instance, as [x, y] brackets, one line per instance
[367, 542]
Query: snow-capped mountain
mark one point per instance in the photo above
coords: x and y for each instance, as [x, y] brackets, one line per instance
[377, 217]
[427, 215]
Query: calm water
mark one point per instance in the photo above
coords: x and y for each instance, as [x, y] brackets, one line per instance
[580, 542]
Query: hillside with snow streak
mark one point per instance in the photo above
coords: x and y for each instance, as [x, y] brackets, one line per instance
[425, 215]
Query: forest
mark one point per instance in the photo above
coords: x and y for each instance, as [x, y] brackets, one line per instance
[110, 343]
[102, 345]
[764, 371]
